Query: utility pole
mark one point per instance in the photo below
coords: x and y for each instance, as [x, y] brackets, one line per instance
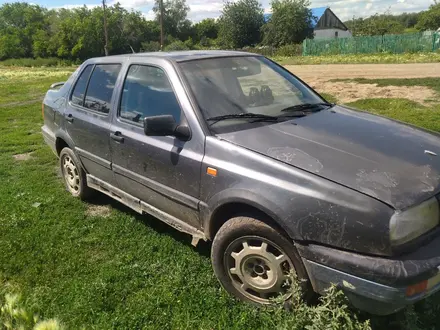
[161, 24]
[105, 29]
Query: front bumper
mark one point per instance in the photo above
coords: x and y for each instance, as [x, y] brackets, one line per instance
[368, 296]
[376, 285]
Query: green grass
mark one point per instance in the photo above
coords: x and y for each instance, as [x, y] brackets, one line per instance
[128, 271]
[329, 98]
[433, 83]
[361, 59]
[403, 110]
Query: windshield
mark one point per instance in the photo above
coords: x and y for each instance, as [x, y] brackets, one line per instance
[234, 87]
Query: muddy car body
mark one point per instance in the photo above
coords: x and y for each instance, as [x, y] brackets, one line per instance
[231, 147]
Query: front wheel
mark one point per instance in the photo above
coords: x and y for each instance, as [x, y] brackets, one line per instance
[253, 261]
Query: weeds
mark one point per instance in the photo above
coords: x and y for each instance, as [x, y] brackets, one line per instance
[13, 316]
[331, 313]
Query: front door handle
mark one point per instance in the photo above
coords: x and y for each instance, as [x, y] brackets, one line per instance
[69, 118]
[117, 136]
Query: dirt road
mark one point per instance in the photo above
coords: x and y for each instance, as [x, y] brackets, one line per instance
[341, 71]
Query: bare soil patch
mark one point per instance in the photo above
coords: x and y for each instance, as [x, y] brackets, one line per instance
[98, 211]
[347, 92]
[371, 71]
[23, 157]
[320, 76]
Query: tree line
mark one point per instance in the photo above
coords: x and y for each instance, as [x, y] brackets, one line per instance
[381, 24]
[28, 30]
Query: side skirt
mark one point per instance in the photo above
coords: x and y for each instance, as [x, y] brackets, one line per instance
[142, 207]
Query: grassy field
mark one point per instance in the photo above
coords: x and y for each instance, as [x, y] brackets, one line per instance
[285, 60]
[101, 266]
[361, 59]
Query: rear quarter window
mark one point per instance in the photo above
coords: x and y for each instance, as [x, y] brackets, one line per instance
[101, 86]
[80, 87]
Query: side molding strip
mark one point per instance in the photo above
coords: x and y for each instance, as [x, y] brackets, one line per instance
[164, 190]
[93, 158]
[142, 207]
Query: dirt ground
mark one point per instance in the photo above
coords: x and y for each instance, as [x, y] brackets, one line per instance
[371, 71]
[318, 77]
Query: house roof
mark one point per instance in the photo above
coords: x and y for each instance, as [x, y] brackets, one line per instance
[317, 13]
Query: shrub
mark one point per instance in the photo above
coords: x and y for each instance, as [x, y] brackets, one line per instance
[189, 43]
[289, 50]
[176, 45]
[37, 62]
[151, 46]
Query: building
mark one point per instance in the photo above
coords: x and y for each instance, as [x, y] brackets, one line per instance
[326, 24]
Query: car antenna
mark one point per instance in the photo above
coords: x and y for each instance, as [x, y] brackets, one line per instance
[132, 49]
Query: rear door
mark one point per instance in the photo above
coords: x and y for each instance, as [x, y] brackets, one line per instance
[87, 117]
[162, 171]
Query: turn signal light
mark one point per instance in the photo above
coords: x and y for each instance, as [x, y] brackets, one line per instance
[42, 110]
[416, 288]
[211, 171]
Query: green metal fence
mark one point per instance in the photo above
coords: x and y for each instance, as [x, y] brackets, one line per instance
[402, 43]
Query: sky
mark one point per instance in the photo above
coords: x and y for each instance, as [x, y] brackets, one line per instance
[200, 9]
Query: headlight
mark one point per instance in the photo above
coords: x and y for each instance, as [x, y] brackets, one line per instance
[410, 224]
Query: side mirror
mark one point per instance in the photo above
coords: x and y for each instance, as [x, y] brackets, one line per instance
[165, 125]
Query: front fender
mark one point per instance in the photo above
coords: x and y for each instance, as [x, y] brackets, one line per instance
[242, 196]
[308, 207]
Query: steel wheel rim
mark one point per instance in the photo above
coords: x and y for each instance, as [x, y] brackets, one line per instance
[71, 174]
[259, 269]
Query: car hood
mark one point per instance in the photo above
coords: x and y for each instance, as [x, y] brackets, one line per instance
[385, 159]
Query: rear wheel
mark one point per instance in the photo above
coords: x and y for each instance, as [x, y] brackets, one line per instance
[73, 174]
[253, 261]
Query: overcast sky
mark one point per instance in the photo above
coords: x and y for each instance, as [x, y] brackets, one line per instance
[200, 9]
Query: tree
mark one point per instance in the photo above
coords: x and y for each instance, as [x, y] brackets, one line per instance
[430, 19]
[240, 23]
[291, 22]
[21, 21]
[409, 20]
[378, 24]
[175, 13]
[207, 28]
[77, 34]
[10, 46]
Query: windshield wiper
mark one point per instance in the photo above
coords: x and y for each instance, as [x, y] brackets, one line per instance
[306, 106]
[248, 115]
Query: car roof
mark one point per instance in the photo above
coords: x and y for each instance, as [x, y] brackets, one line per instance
[181, 56]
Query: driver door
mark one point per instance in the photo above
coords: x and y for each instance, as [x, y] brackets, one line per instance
[162, 171]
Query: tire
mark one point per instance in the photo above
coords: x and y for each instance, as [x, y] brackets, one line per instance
[253, 274]
[74, 175]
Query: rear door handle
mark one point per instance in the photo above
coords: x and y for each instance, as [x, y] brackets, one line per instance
[117, 136]
[69, 118]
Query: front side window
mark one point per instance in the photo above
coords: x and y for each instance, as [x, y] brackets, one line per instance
[101, 86]
[245, 86]
[147, 92]
[80, 87]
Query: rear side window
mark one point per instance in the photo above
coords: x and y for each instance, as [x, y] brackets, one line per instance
[80, 87]
[148, 92]
[101, 86]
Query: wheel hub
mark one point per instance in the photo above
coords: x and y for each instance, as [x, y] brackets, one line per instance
[258, 268]
[71, 174]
